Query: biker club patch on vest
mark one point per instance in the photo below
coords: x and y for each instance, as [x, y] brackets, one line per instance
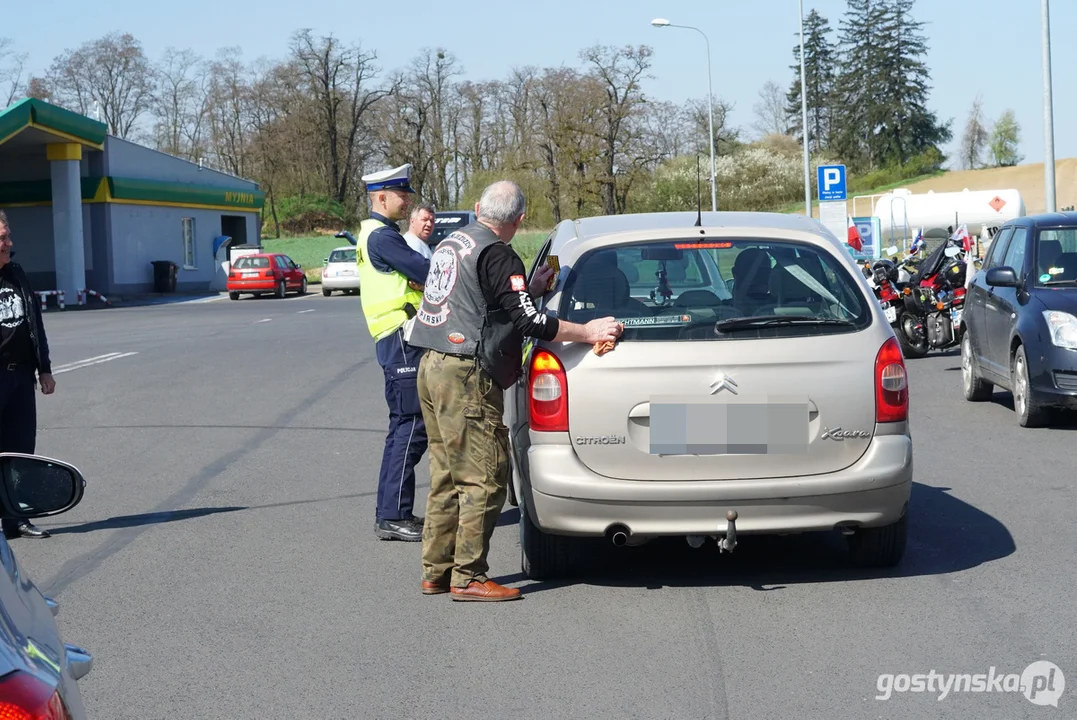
[444, 271]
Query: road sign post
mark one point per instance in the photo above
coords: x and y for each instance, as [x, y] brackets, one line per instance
[833, 205]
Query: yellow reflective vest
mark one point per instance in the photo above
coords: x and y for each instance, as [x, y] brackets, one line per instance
[384, 295]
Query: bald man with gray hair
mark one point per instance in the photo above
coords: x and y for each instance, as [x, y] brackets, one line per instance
[477, 308]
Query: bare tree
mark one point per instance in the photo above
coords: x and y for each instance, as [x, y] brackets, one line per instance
[770, 112]
[228, 112]
[181, 103]
[726, 138]
[339, 78]
[620, 71]
[976, 137]
[12, 65]
[110, 75]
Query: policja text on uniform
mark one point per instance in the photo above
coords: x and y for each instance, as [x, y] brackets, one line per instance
[391, 275]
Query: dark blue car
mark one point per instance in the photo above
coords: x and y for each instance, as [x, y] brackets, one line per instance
[1020, 318]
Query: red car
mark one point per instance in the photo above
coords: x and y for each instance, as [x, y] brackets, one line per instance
[266, 273]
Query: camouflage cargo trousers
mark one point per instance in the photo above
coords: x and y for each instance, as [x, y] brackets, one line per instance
[469, 466]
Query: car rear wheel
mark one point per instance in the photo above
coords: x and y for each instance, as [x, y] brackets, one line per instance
[282, 288]
[542, 556]
[1029, 412]
[880, 546]
[303, 286]
[976, 388]
[233, 295]
[326, 292]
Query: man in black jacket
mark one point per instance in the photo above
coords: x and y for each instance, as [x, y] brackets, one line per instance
[24, 359]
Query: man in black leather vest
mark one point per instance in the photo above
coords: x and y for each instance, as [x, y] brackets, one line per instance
[476, 311]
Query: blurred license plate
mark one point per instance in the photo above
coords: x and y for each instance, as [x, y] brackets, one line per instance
[766, 425]
[250, 274]
[891, 314]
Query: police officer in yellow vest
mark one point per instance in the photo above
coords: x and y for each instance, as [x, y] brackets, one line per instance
[391, 276]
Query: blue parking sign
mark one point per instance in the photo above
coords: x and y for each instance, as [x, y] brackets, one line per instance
[831, 183]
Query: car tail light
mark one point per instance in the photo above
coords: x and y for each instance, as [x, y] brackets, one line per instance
[269, 273]
[24, 697]
[548, 393]
[891, 384]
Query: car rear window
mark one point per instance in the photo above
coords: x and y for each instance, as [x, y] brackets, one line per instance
[445, 223]
[339, 256]
[684, 290]
[250, 263]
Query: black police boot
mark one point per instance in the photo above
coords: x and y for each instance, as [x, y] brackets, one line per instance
[398, 530]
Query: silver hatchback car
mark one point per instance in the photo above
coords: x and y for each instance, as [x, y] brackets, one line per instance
[757, 388]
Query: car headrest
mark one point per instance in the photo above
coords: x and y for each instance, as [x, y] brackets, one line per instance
[676, 271]
[751, 272]
[698, 298]
[602, 285]
[1050, 251]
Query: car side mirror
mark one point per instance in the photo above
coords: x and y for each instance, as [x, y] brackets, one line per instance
[33, 486]
[298, 266]
[1001, 277]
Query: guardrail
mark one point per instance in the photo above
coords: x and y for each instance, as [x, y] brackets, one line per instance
[85, 295]
[44, 296]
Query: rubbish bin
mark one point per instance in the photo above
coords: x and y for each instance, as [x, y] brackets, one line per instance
[164, 276]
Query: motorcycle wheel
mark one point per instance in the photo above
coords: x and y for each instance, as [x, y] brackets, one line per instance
[912, 347]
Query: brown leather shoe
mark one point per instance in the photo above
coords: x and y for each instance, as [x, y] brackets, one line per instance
[489, 591]
[432, 588]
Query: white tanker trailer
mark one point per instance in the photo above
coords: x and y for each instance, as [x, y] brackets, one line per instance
[901, 213]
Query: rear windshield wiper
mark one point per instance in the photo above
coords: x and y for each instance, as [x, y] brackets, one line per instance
[767, 320]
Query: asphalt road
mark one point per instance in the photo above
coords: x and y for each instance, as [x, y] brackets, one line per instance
[223, 564]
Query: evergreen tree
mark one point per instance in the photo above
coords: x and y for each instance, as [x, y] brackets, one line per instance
[902, 124]
[857, 89]
[819, 78]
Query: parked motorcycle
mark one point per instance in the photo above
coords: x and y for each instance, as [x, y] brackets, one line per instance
[933, 300]
[889, 280]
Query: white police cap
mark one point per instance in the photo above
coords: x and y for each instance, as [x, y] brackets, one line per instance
[399, 177]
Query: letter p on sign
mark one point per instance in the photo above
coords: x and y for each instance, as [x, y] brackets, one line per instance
[831, 183]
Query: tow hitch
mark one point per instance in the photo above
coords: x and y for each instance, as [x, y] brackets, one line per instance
[730, 540]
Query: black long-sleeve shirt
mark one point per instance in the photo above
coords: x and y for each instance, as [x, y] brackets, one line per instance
[504, 285]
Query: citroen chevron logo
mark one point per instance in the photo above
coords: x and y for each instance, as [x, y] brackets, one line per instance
[724, 382]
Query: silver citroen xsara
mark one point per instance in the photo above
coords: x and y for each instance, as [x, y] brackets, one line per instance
[757, 388]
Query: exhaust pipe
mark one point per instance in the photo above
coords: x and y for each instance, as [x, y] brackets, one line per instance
[619, 535]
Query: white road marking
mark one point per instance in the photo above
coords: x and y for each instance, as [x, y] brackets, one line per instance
[305, 311]
[90, 361]
[80, 362]
[262, 320]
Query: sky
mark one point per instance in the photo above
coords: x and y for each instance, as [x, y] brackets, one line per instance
[991, 48]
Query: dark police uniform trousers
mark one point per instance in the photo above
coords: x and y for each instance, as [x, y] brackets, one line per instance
[406, 441]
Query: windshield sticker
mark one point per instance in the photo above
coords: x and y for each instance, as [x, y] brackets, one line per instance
[1045, 277]
[1055, 271]
[653, 321]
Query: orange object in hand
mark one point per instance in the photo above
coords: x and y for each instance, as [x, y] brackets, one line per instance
[604, 346]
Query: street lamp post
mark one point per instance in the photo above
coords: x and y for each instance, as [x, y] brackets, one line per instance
[662, 22]
[804, 117]
[1048, 115]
